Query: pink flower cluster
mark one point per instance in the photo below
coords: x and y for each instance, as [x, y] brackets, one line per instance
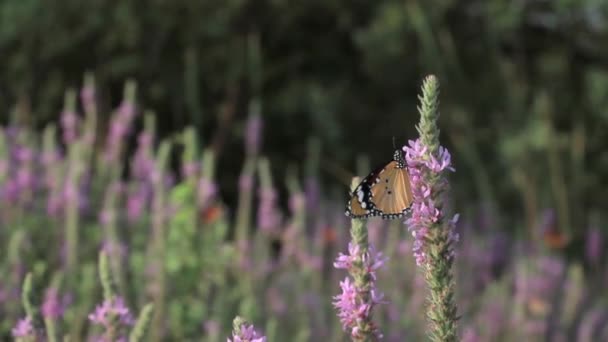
[114, 307]
[269, 216]
[425, 170]
[24, 328]
[247, 333]
[352, 306]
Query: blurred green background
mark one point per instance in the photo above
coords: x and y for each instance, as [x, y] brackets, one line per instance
[524, 83]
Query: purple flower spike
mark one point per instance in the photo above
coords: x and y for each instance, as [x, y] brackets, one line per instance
[53, 307]
[111, 308]
[357, 300]
[206, 191]
[24, 328]
[253, 134]
[269, 216]
[425, 212]
[244, 332]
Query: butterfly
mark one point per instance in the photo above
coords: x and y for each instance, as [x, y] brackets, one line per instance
[385, 192]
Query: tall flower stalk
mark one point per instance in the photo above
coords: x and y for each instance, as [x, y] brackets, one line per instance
[359, 293]
[430, 225]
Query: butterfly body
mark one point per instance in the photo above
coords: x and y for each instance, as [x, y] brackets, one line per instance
[385, 192]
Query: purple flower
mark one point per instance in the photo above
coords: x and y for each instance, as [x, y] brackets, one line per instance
[120, 126]
[345, 261]
[53, 307]
[313, 194]
[23, 154]
[245, 182]
[24, 328]
[106, 216]
[247, 333]
[114, 248]
[106, 339]
[296, 203]
[136, 203]
[25, 178]
[425, 211]
[69, 125]
[470, 335]
[70, 192]
[355, 304]
[126, 110]
[253, 134]
[3, 168]
[87, 96]
[211, 327]
[206, 191]
[593, 245]
[269, 217]
[189, 169]
[109, 309]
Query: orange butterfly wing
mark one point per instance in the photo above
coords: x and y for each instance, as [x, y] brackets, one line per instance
[385, 192]
[393, 193]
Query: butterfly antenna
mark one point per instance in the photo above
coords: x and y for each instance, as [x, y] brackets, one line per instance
[394, 146]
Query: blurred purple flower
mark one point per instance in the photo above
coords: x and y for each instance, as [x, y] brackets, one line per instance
[313, 262]
[106, 339]
[23, 328]
[136, 203]
[87, 97]
[114, 248]
[70, 191]
[145, 140]
[296, 202]
[245, 182]
[253, 134]
[54, 204]
[25, 178]
[3, 294]
[126, 110]
[23, 154]
[143, 162]
[425, 212]
[53, 307]
[548, 219]
[276, 301]
[593, 245]
[113, 308]
[120, 126]
[247, 333]
[69, 126]
[118, 130]
[3, 168]
[313, 195]
[206, 191]
[211, 327]
[189, 169]
[269, 216]
[106, 216]
[470, 335]
[48, 158]
[590, 324]
[10, 191]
